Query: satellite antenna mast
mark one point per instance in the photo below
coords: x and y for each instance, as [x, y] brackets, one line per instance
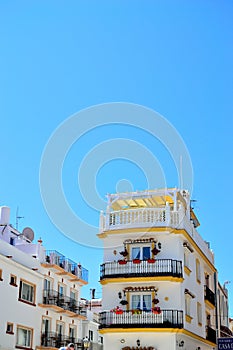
[18, 218]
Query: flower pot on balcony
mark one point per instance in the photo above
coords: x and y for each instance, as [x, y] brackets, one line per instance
[136, 312]
[136, 261]
[119, 312]
[151, 261]
[156, 310]
[122, 262]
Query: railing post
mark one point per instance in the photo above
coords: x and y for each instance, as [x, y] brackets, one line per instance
[167, 214]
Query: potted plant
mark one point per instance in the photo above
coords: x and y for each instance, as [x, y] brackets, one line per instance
[155, 301]
[136, 261]
[124, 302]
[156, 310]
[124, 253]
[136, 311]
[117, 310]
[155, 251]
[151, 260]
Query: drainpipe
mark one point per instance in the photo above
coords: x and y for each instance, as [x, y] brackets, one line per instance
[216, 304]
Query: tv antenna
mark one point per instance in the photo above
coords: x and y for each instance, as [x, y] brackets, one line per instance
[18, 218]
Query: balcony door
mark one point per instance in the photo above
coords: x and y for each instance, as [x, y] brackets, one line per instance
[142, 253]
[141, 301]
[45, 326]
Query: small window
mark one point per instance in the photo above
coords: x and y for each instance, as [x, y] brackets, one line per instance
[9, 328]
[24, 337]
[1, 279]
[27, 292]
[141, 301]
[12, 241]
[13, 280]
[199, 313]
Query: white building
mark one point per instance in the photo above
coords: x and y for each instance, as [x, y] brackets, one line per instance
[40, 294]
[158, 276]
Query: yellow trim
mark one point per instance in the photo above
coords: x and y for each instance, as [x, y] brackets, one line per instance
[152, 247]
[139, 279]
[210, 305]
[156, 330]
[162, 229]
[188, 318]
[187, 270]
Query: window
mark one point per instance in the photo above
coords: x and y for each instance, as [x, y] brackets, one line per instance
[13, 280]
[90, 335]
[9, 328]
[46, 322]
[1, 279]
[142, 253]
[12, 241]
[72, 333]
[61, 289]
[47, 284]
[72, 295]
[27, 292]
[198, 271]
[24, 337]
[199, 313]
[60, 329]
[141, 301]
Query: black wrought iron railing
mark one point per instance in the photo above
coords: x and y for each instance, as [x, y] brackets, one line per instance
[56, 258]
[211, 334]
[151, 267]
[209, 295]
[56, 340]
[143, 319]
[52, 297]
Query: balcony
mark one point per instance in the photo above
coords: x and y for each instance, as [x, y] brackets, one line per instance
[146, 319]
[59, 303]
[56, 340]
[160, 267]
[65, 266]
[209, 295]
[211, 334]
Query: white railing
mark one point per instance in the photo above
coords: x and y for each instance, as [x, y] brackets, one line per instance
[153, 217]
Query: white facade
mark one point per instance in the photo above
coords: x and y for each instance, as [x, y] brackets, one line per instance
[159, 272]
[40, 295]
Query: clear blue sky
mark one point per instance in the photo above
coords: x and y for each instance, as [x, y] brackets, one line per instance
[58, 57]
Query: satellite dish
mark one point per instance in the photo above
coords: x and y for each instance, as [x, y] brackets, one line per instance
[28, 233]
